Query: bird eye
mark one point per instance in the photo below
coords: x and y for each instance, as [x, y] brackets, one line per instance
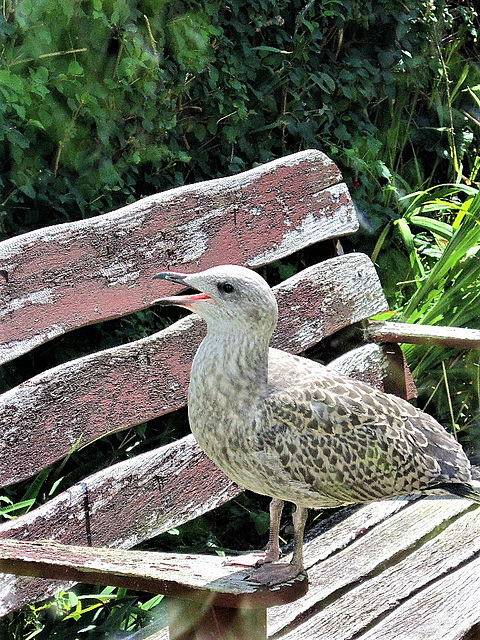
[226, 287]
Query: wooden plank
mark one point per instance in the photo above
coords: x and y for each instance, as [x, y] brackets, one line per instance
[167, 499]
[382, 366]
[398, 377]
[196, 577]
[120, 506]
[148, 494]
[191, 621]
[368, 553]
[133, 383]
[367, 363]
[62, 277]
[392, 601]
[92, 396]
[402, 332]
[326, 297]
[340, 530]
[446, 610]
[83, 514]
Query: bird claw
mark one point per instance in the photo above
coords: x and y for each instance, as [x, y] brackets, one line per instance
[274, 574]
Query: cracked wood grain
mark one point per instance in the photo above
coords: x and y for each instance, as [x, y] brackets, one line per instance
[386, 565]
[197, 577]
[127, 385]
[74, 274]
[402, 332]
[176, 483]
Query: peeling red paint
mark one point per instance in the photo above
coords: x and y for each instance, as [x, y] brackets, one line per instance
[116, 516]
[102, 268]
[127, 385]
[68, 276]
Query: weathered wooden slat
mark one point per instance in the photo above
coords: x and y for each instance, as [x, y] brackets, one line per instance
[402, 332]
[149, 494]
[396, 547]
[176, 483]
[121, 506]
[195, 577]
[127, 385]
[366, 363]
[331, 537]
[446, 610]
[362, 605]
[324, 298]
[380, 366]
[86, 398]
[398, 583]
[377, 574]
[73, 274]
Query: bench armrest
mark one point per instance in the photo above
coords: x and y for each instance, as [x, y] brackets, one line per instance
[190, 576]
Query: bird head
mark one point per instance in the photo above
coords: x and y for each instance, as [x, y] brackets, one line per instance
[231, 298]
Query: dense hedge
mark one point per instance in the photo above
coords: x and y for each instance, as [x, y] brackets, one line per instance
[105, 101]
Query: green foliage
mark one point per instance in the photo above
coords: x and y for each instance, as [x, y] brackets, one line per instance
[106, 101]
[87, 612]
[439, 254]
[111, 101]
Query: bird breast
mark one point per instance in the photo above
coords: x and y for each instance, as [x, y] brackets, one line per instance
[225, 385]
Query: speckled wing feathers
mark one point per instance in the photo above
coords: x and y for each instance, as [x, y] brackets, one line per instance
[342, 441]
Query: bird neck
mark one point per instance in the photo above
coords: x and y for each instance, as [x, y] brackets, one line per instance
[233, 359]
[229, 376]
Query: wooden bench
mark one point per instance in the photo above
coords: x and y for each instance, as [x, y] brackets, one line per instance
[406, 568]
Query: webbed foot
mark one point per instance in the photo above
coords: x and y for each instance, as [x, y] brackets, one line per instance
[278, 573]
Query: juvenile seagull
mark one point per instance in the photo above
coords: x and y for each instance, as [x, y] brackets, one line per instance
[287, 427]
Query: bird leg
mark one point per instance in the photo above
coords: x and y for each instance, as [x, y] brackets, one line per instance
[272, 550]
[299, 520]
[271, 553]
[271, 574]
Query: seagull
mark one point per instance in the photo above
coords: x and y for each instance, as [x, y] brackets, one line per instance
[287, 427]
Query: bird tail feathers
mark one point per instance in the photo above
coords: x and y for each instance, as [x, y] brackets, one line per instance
[462, 490]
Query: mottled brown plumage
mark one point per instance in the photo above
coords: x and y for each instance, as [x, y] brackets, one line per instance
[290, 428]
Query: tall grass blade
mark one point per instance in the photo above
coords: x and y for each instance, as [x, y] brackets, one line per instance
[466, 236]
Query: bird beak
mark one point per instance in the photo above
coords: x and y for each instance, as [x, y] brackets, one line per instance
[179, 278]
[179, 301]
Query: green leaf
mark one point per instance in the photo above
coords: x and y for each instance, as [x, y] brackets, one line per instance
[324, 81]
[9, 79]
[153, 602]
[465, 236]
[20, 109]
[17, 138]
[36, 485]
[407, 237]
[437, 227]
[74, 69]
[28, 190]
[18, 506]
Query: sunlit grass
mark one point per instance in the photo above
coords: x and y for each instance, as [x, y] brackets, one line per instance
[439, 233]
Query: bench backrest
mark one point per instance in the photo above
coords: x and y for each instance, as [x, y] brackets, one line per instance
[60, 278]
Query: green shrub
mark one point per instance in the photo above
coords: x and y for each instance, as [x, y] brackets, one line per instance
[436, 245]
[103, 102]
